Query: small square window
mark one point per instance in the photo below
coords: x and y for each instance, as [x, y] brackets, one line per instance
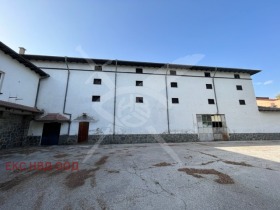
[97, 81]
[211, 101]
[139, 100]
[207, 74]
[139, 83]
[239, 87]
[139, 70]
[208, 86]
[175, 100]
[172, 72]
[242, 102]
[174, 84]
[98, 68]
[95, 98]
[236, 76]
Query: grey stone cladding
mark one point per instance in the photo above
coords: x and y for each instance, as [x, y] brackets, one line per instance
[253, 136]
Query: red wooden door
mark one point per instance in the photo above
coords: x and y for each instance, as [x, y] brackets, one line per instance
[83, 132]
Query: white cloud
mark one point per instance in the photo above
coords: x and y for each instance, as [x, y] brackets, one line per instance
[189, 59]
[268, 82]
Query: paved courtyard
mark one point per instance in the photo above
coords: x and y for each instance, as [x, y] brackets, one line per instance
[201, 175]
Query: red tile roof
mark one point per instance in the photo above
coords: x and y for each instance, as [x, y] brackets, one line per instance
[9, 106]
[53, 117]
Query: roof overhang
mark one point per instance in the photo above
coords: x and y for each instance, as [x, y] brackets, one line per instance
[268, 109]
[52, 117]
[18, 108]
[138, 63]
[22, 60]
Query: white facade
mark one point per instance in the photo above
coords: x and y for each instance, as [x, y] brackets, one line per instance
[18, 83]
[157, 114]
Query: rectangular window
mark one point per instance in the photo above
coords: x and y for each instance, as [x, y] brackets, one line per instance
[175, 100]
[139, 70]
[172, 72]
[208, 86]
[139, 100]
[236, 76]
[174, 84]
[242, 102]
[207, 74]
[139, 83]
[239, 87]
[95, 98]
[211, 101]
[97, 81]
[98, 68]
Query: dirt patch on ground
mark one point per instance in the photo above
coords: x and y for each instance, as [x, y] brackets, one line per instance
[223, 178]
[78, 178]
[39, 202]
[208, 163]
[237, 163]
[162, 164]
[60, 155]
[101, 161]
[102, 204]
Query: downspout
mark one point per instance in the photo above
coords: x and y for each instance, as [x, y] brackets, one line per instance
[65, 97]
[115, 101]
[38, 89]
[167, 106]
[214, 88]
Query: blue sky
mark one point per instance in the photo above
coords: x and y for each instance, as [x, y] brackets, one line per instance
[242, 34]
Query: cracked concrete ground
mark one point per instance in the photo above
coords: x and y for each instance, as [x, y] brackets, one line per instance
[202, 175]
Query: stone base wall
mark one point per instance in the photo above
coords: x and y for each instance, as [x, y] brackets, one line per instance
[131, 138]
[253, 136]
[13, 130]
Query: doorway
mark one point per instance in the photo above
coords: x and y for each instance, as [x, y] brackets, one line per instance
[50, 134]
[212, 127]
[83, 132]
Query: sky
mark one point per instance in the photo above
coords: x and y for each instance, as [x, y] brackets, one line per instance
[225, 33]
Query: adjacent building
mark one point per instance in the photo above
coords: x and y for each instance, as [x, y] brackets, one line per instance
[112, 101]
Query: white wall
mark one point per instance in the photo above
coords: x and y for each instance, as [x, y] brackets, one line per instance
[150, 116]
[19, 81]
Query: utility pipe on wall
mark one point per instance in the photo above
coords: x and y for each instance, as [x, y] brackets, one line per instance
[65, 96]
[214, 88]
[115, 100]
[167, 106]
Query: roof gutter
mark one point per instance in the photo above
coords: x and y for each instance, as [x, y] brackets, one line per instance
[65, 96]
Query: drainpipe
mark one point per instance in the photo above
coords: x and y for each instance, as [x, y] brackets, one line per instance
[38, 89]
[65, 97]
[115, 96]
[214, 88]
[167, 110]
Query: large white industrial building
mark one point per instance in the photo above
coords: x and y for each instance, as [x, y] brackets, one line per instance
[63, 100]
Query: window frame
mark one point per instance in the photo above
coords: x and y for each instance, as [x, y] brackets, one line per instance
[96, 98]
[242, 102]
[239, 87]
[172, 72]
[174, 84]
[139, 70]
[207, 74]
[139, 100]
[98, 68]
[209, 86]
[236, 76]
[97, 83]
[175, 100]
[211, 101]
[139, 83]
